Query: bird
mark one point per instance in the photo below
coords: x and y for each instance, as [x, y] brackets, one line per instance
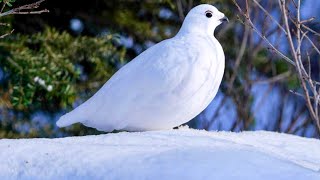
[165, 86]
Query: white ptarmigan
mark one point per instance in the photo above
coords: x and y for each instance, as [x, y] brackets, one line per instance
[165, 86]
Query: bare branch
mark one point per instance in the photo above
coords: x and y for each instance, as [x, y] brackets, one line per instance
[302, 95]
[253, 27]
[295, 38]
[20, 10]
[311, 30]
[180, 10]
[274, 79]
[7, 34]
[3, 6]
[239, 57]
[307, 20]
[26, 9]
[268, 14]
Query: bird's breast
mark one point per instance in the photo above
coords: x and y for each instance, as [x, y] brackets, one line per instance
[203, 77]
[191, 78]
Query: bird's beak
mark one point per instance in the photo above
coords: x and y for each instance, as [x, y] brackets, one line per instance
[224, 19]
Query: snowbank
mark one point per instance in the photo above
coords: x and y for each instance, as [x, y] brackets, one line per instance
[172, 154]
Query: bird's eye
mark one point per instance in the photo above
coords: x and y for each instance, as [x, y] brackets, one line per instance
[208, 14]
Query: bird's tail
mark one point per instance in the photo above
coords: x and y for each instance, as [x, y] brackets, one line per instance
[68, 119]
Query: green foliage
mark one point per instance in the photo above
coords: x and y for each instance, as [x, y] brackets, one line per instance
[8, 2]
[47, 67]
[281, 66]
[49, 71]
[293, 82]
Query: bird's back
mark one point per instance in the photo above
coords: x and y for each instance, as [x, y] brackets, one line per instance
[167, 82]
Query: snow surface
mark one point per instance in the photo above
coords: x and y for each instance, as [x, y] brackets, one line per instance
[172, 154]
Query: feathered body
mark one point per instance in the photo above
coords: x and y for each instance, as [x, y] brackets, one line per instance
[165, 86]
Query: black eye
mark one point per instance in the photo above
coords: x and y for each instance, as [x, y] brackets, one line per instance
[209, 14]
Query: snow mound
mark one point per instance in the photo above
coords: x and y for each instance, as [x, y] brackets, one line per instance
[172, 154]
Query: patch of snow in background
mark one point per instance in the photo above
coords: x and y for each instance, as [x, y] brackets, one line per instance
[40, 118]
[2, 75]
[126, 41]
[226, 115]
[76, 25]
[165, 13]
[266, 105]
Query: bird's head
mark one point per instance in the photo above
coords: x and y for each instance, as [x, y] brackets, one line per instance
[203, 19]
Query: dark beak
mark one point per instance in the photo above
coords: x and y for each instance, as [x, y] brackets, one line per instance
[224, 19]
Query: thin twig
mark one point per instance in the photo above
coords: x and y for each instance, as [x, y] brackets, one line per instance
[25, 9]
[7, 34]
[274, 79]
[239, 57]
[269, 15]
[311, 30]
[253, 27]
[295, 39]
[298, 94]
[180, 10]
[307, 20]
[3, 6]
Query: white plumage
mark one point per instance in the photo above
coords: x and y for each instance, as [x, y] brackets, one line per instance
[165, 86]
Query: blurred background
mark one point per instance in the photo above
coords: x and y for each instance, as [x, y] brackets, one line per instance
[53, 62]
